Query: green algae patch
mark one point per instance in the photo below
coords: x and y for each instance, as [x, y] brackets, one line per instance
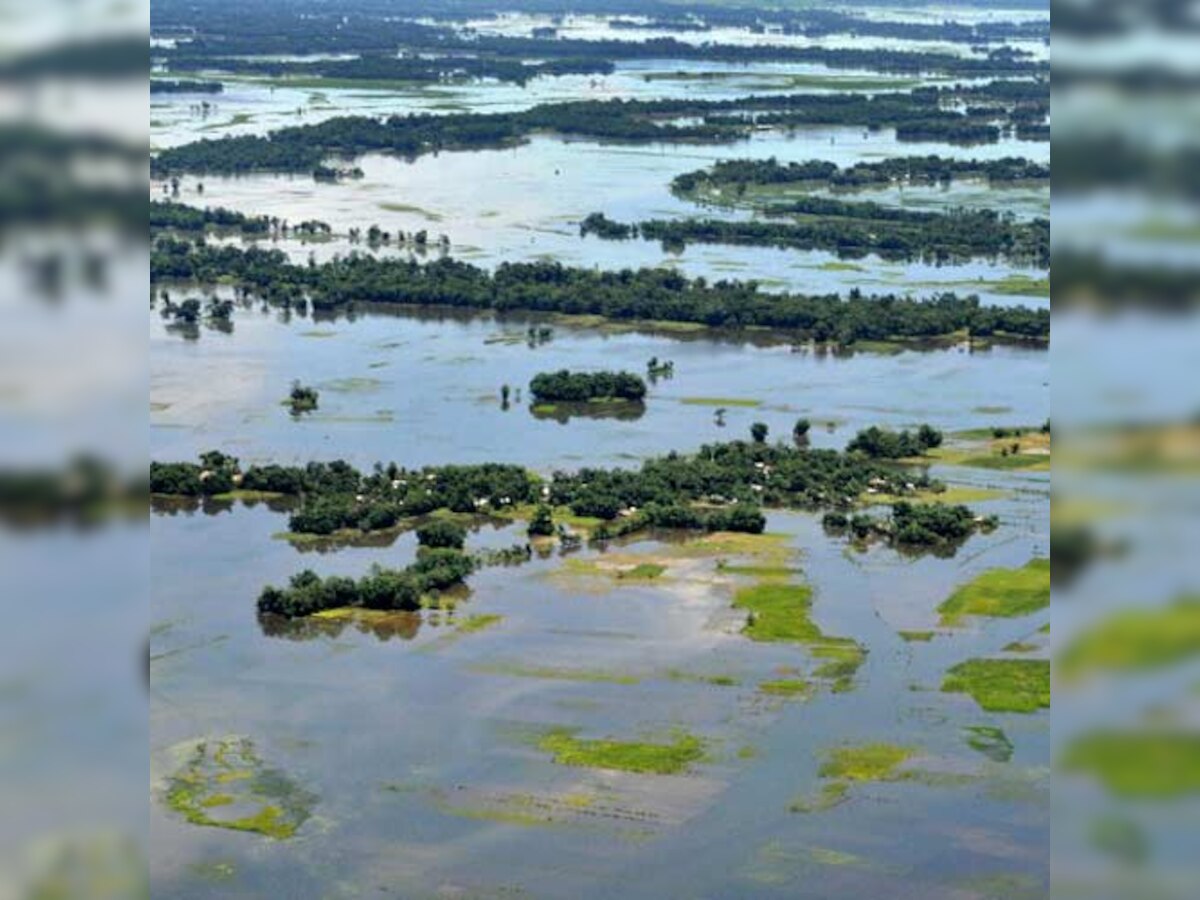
[1135, 640]
[912, 637]
[796, 688]
[1002, 685]
[224, 784]
[1021, 647]
[1003, 593]
[671, 758]
[866, 762]
[992, 742]
[1156, 764]
[715, 680]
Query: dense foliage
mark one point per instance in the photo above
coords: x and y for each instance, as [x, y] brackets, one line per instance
[579, 387]
[381, 589]
[174, 216]
[550, 287]
[932, 169]
[184, 86]
[923, 114]
[913, 525]
[856, 228]
[878, 443]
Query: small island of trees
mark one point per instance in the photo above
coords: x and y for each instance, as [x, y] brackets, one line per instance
[565, 386]
[302, 399]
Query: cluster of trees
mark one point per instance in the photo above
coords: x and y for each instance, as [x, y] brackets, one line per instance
[302, 398]
[174, 216]
[922, 114]
[931, 169]
[565, 386]
[184, 86]
[879, 443]
[913, 525]
[721, 487]
[408, 589]
[362, 26]
[393, 68]
[550, 287]
[854, 229]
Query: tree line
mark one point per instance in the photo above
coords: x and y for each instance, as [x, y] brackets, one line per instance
[550, 287]
[816, 173]
[184, 86]
[920, 114]
[854, 229]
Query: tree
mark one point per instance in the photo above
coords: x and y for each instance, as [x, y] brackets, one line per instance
[800, 431]
[542, 523]
[442, 533]
[759, 431]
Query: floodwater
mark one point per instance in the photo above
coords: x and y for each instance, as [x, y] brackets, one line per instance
[411, 745]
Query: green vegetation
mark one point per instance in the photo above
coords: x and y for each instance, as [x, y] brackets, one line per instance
[853, 229]
[720, 401]
[1006, 593]
[992, 742]
[442, 533]
[224, 784]
[780, 612]
[905, 170]
[1152, 764]
[659, 295]
[879, 443]
[936, 527]
[477, 622]
[580, 387]
[1002, 685]
[302, 399]
[911, 637]
[184, 86]
[1135, 640]
[629, 756]
[556, 673]
[541, 524]
[832, 793]
[788, 687]
[382, 589]
[866, 762]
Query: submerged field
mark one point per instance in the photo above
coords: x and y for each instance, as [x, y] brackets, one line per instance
[668, 714]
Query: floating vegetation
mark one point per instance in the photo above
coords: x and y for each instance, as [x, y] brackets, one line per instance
[866, 762]
[224, 784]
[1006, 593]
[628, 756]
[1134, 640]
[720, 401]
[832, 794]
[352, 385]
[992, 742]
[715, 680]
[477, 622]
[796, 688]
[781, 613]
[917, 636]
[1002, 685]
[1154, 764]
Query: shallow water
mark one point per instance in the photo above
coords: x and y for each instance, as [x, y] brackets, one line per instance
[419, 742]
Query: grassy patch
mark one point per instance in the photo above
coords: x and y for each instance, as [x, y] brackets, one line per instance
[911, 637]
[641, 572]
[1158, 764]
[787, 687]
[248, 496]
[952, 495]
[757, 571]
[1002, 685]
[866, 762]
[716, 680]
[1134, 640]
[833, 793]
[1006, 593]
[224, 784]
[477, 622]
[721, 401]
[627, 756]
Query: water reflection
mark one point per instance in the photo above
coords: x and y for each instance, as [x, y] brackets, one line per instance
[385, 626]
